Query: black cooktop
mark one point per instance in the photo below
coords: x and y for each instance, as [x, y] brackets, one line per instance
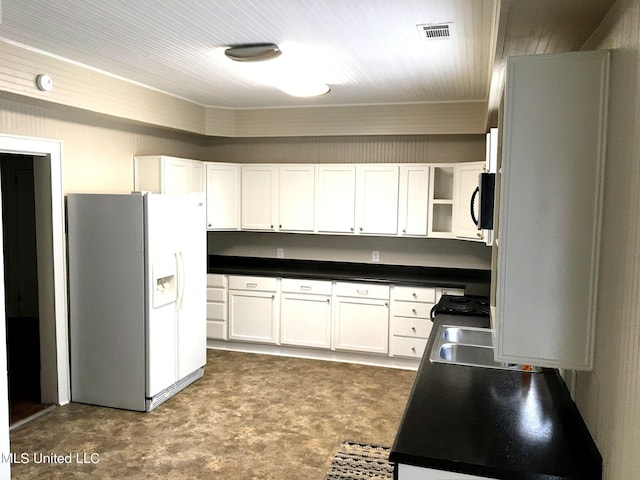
[462, 305]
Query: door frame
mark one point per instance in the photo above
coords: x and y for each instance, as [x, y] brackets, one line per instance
[51, 253]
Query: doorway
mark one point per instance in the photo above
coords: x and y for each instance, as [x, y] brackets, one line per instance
[21, 287]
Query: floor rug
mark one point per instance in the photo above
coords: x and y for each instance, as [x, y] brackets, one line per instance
[357, 461]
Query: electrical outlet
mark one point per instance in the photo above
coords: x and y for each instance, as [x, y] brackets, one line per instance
[280, 252]
[375, 255]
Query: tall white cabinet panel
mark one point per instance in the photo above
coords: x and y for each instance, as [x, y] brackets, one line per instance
[550, 209]
[413, 207]
[377, 199]
[466, 182]
[296, 198]
[253, 309]
[361, 317]
[305, 313]
[165, 174]
[259, 197]
[336, 198]
[223, 196]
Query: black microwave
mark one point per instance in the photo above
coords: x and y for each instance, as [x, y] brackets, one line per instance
[486, 193]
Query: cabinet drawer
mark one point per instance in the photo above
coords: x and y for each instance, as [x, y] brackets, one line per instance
[263, 284]
[408, 347]
[362, 290]
[215, 280]
[409, 327]
[216, 311]
[412, 309]
[216, 295]
[415, 294]
[294, 285]
[216, 330]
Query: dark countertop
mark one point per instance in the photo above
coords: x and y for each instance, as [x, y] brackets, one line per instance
[475, 282]
[494, 423]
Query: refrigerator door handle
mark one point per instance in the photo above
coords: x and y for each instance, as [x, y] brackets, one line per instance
[180, 276]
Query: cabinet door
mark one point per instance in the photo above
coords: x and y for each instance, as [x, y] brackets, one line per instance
[377, 199]
[361, 325]
[196, 177]
[336, 198]
[259, 197]
[176, 175]
[223, 196]
[550, 209]
[296, 197]
[305, 320]
[466, 178]
[411, 472]
[413, 207]
[252, 316]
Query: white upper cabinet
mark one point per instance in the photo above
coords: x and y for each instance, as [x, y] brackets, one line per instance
[413, 207]
[335, 198]
[259, 197]
[223, 196]
[377, 199]
[550, 209]
[165, 174]
[296, 198]
[466, 184]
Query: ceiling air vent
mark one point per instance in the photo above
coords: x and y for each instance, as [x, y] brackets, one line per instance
[434, 31]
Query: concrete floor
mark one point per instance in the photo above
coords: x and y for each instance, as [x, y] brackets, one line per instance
[250, 417]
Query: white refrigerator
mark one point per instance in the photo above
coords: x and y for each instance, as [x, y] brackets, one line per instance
[137, 297]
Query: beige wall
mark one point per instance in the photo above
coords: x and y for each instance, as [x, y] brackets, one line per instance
[609, 397]
[97, 151]
[350, 149]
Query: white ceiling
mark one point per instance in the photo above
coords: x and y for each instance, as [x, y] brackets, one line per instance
[369, 52]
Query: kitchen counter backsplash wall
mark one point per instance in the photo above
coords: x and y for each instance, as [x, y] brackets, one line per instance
[429, 252]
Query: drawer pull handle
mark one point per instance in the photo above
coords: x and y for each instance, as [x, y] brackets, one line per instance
[252, 285]
[414, 311]
[415, 295]
[306, 288]
[413, 329]
[363, 292]
[328, 300]
[413, 349]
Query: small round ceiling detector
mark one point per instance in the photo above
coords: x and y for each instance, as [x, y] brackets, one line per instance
[44, 82]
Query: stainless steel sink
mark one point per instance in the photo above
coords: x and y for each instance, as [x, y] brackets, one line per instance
[468, 336]
[469, 346]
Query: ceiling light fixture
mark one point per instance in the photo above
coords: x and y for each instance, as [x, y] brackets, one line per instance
[255, 52]
[305, 89]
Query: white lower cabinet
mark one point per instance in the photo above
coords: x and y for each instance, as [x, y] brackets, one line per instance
[305, 313]
[349, 317]
[411, 472]
[253, 309]
[217, 306]
[410, 320]
[361, 317]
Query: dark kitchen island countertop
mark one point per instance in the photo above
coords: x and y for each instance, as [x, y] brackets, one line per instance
[475, 282]
[493, 423]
